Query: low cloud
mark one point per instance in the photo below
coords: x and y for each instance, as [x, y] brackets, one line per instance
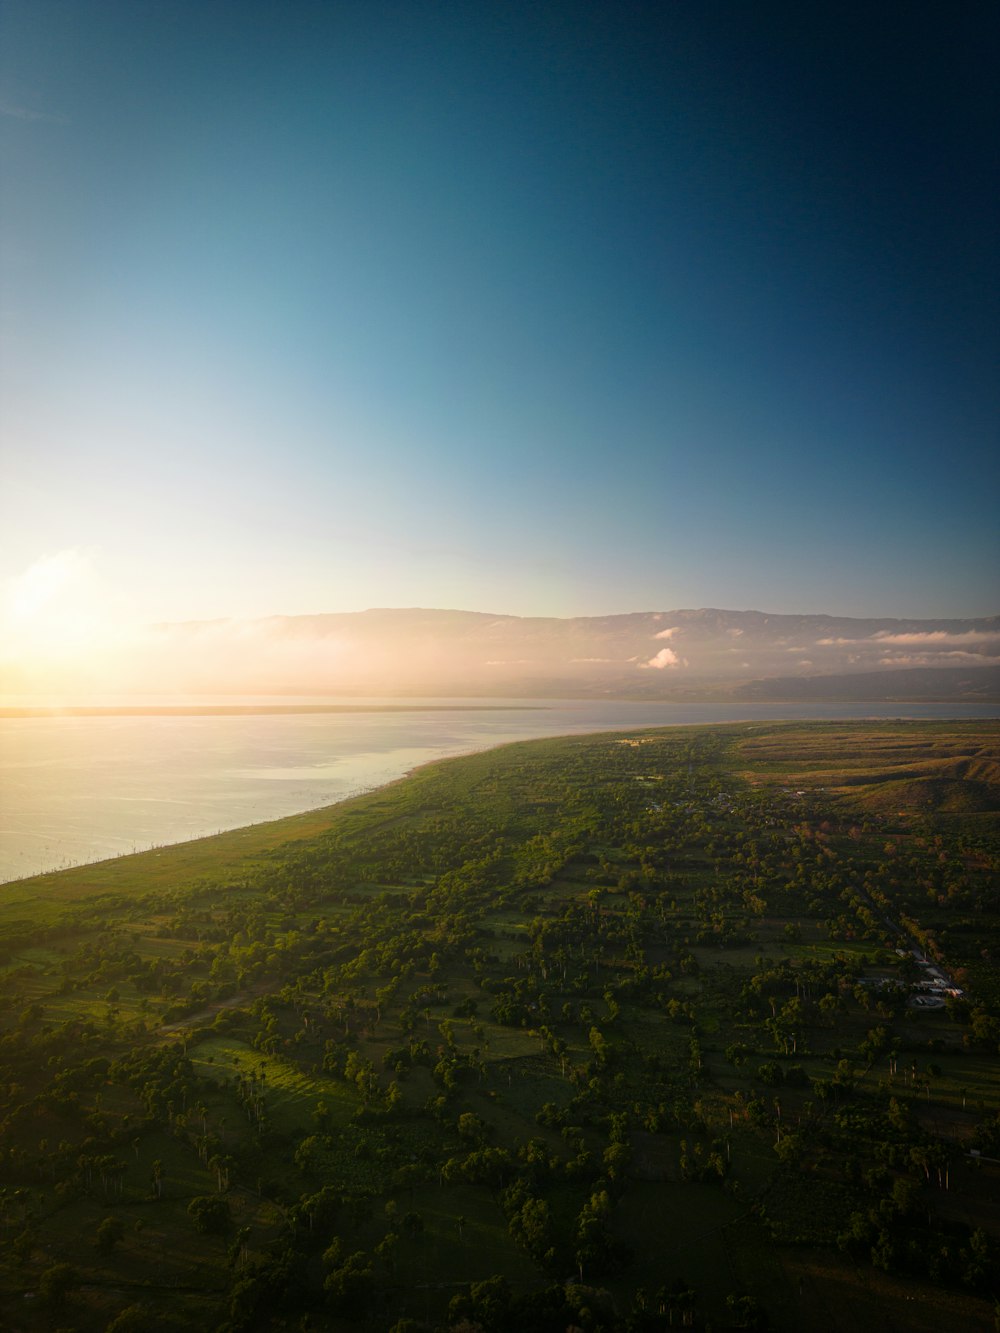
[602, 659]
[666, 657]
[668, 633]
[932, 637]
[915, 639]
[937, 659]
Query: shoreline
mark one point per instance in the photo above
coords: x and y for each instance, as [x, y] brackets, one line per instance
[313, 811]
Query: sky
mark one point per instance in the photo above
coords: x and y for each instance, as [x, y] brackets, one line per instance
[535, 308]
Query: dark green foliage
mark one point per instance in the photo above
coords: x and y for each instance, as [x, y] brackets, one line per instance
[349, 1284]
[109, 1233]
[211, 1214]
[266, 1288]
[547, 1034]
[56, 1283]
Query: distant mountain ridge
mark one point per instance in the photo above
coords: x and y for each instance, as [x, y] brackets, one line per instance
[909, 685]
[680, 654]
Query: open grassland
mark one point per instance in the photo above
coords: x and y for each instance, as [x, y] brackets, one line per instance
[947, 768]
[607, 1032]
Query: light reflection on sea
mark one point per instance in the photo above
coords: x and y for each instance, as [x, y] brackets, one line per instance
[75, 789]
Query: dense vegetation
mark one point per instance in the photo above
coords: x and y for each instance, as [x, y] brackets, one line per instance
[606, 1033]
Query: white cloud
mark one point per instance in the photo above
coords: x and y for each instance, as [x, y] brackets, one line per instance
[666, 657]
[933, 637]
[916, 638]
[668, 633]
[938, 659]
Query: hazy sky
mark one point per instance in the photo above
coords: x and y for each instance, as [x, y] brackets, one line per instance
[526, 307]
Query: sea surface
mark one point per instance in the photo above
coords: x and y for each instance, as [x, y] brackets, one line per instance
[83, 788]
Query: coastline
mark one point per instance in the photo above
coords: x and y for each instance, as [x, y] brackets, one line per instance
[176, 796]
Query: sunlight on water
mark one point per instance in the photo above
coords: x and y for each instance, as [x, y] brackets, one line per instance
[80, 789]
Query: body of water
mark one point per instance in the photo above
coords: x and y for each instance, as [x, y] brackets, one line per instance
[83, 788]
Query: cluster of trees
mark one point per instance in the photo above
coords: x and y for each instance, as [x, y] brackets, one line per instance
[528, 984]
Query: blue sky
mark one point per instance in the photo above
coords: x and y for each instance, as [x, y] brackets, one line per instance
[551, 309]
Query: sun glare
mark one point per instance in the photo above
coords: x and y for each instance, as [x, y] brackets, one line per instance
[55, 609]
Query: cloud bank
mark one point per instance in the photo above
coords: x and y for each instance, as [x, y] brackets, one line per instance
[915, 639]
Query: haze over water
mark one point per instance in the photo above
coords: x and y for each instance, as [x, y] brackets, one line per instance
[79, 789]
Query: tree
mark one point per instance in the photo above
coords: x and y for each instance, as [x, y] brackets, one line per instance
[109, 1233]
[56, 1283]
[211, 1215]
[133, 1319]
[746, 1312]
[349, 1286]
[471, 1127]
[386, 1250]
[487, 1304]
[789, 1148]
[531, 1227]
[238, 1253]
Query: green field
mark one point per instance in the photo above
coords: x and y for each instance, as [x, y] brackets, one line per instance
[609, 1033]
